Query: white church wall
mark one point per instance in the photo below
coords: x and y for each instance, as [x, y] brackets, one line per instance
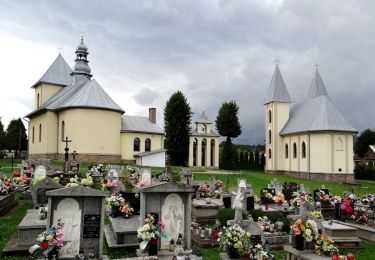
[48, 141]
[321, 155]
[127, 143]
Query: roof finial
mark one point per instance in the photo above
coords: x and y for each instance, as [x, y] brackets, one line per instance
[60, 50]
[277, 61]
[316, 66]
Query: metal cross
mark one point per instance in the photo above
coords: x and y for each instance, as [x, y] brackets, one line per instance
[66, 141]
[277, 61]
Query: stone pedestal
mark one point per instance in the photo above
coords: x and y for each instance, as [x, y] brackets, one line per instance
[344, 236]
[203, 212]
[122, 232]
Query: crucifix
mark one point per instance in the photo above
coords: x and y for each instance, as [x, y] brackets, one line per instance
[66, 141]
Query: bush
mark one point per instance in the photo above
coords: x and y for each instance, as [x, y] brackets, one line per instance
[364, 172]
[227, 214]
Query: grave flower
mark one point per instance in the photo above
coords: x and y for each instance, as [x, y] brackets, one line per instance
[235, 238]
[315, 214]
[49, 242]
[264, 223]
[126, 208]
[279, 198]
[324, 246]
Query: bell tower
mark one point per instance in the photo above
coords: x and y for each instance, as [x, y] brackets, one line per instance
[276, 115]
[81, 68]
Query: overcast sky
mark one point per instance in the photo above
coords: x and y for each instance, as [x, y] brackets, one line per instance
[213, 51]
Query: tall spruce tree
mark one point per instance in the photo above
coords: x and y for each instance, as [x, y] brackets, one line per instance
[251, 161]
[246, 160]
[256, 160]
[242, 161]
[2, 136]
[15, 137]
[227, 124]
[177, 119]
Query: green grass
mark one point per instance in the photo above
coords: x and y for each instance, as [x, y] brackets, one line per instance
[9, 224]
[6, 165]
[260, 180]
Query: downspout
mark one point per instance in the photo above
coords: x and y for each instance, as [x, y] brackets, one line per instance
[28, 131]
[308, 158]
[57, 137]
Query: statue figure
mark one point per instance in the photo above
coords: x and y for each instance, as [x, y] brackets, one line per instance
[238, 202]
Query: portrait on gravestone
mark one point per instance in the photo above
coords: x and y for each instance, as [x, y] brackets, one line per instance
[173, 216]
[145, 177]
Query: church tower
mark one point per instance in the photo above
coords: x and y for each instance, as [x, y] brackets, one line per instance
[276, 115]
[81, 68]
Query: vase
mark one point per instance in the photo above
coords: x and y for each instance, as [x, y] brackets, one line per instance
[233, 253]
[114, 212]
[294, 241]
[153, 247]
[300, 242]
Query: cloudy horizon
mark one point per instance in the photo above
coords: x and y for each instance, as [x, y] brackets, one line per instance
[213, 51]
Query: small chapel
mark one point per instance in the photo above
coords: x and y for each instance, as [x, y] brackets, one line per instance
[310, 139]
[71, 106]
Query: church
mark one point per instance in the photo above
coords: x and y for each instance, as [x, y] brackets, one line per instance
[309, 139]
[71, 105]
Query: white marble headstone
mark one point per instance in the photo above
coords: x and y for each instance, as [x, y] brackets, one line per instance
[69, 212]
[40, 172]
[173, 216]
[113, 174]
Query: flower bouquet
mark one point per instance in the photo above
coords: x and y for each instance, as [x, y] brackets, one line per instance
[149, 234]
[325, 246]
[235, 240]
[5, 185]
[279, 198]
[126, 208]
[359, 216]
[256, 252]
[205, 191]
[317, 214]
[304, 231]
[49, 242]
[264, 223]
[299, 198]
[113, 204]
[324, 198]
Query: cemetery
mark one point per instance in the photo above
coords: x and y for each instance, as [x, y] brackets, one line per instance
[180, 214]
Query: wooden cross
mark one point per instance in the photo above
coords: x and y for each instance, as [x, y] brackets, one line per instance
[66, 141]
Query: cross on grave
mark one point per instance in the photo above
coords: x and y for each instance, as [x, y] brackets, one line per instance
[66, 141]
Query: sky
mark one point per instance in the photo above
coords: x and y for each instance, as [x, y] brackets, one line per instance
[214, 51]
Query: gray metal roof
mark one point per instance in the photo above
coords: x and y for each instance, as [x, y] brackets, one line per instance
[277, 90]
[203, 119]
[150, 153]
[58, 73]
[317, 87]
[315, 114]
[139, 124]
[86, 93]
[211, 134]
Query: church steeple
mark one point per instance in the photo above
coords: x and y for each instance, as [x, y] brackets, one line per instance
[81, 68]
[317, 87]
[277, 91]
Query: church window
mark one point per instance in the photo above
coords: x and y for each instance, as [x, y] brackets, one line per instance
[62, 130]
[294, 150]
[136, 144]
[269, 153]
[32, 134]
[269, 136]
[286, 151]
[303, 150]
[269, 116]
[339, 144]
[40, 133]
[37, 101]
[147, 145]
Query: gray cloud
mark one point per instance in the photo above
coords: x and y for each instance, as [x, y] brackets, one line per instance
[213, 51]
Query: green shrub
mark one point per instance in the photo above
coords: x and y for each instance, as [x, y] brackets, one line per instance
[227, 214]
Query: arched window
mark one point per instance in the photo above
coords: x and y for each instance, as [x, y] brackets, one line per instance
[33, 134]
[294, 150]
[269, 136]
[147, 145]
[269, 116]
[136, 144]
[269, 153]
[62, 130]
[37, 101]
[339, 144]
[40, 133]
[303, 150]
[286, 151]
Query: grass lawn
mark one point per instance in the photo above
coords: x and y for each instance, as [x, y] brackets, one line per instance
[260, 180]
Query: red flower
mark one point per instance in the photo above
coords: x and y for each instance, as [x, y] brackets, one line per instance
[44, 245]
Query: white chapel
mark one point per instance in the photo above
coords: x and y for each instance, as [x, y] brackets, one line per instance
[310, 139]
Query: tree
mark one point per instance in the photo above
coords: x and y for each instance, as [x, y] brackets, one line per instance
[16, 135]
[227, 122]
[256, 160]
[365, 139]
[246, 160]
[251, 161]
[177, 119]
[2, 136]
[242, 161]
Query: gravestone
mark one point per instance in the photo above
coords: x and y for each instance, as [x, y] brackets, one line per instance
[288, 189]
[188, 175]
[81, 209]
[145, 176]
[40, 172]
[38, 191]
[173, 204]
[113, 174]
[133, 199]
[263, 197]
[275, 184]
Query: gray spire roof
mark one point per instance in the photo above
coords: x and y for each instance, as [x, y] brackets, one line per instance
[277, 91]
[58, 73]
[317, 87]
[316, 114]
[85, 94]
[203, 119]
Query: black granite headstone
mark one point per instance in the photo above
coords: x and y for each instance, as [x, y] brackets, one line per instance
[133, 199]
[91, 226]
[227, 202]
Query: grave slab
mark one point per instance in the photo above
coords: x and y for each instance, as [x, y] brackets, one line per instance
[344, 236]
[6, 203]
[364, 232]
[30, 227]
[293, 254]
[123, 232]
[203, 212]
